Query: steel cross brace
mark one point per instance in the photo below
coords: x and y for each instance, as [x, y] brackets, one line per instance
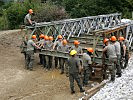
[78, 26]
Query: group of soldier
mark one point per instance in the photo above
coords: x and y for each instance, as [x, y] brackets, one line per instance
[73, 65]
[114, 49]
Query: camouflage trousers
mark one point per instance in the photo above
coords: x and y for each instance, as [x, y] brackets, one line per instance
[112, 67]
[86, 74]
[63, 64]
[72, 77]
[49, 60]
[118, 65]
[29, 59]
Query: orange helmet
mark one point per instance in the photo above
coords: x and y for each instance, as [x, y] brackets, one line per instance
[121, 38]
[30, 11]
[33, 37]
[46, 37]
[90, 50]
[76, 42]
[51, 38]
[41, 36]
[105, 40]
[113, 38]
[59, 37]
[64, 42]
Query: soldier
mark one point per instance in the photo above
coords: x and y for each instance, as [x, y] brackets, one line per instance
[27, 19]
[125, 47]
[24, 46]
[46, 48]
[41, 42]
[30, 52]
[50, 47]
[110, 48]
[118, 53]
[56, 44]
[77, 47]
[87, 65]
[74, 66]
[63, 48]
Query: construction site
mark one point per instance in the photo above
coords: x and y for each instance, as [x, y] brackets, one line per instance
[18, 83]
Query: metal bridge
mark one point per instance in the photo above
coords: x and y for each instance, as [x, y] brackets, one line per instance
[79, 26]
[90, 31]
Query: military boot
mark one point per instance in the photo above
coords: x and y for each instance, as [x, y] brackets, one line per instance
[119, 75]
[112, 78]
[72, 91]
[82, 90]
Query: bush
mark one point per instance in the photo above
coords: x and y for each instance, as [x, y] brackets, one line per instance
[49, 12]
[15, 13]
[3, 22]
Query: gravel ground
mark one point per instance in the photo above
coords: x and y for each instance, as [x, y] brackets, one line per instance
[121, 89]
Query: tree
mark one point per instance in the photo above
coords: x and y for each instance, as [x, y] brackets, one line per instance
[81, 8]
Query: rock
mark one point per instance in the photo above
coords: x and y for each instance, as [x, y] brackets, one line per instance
[121, 89]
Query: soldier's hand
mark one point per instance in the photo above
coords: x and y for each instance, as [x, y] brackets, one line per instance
[80, 69]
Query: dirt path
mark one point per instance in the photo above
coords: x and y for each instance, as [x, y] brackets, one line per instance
[17, 83]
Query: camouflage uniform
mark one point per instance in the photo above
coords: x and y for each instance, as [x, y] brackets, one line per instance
[24, 48]
[50, 58]
[126, 43]
[57, 43]
[46, 57]
[118, 54]
[74, 64]
[86, 65]
[78, 49]
[30, 54]
[112, 59]
[40, 55]
[63, 61]
[126, 56]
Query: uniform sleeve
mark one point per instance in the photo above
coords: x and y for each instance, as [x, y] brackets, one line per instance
[78, 62]
[56, 44]
[32, 43]
[28, 17]
[81, 50]
[106, 48]
[89, 61]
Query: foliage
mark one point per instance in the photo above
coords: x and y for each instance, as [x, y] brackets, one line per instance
[15, 12]
[81, 8]
[12, 14]
[3, 22]
[49, 12]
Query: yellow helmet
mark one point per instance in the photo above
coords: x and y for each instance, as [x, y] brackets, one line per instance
[73, 52]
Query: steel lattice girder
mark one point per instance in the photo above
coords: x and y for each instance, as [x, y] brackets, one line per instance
[78, 26]
[55, 53]
[129, 34]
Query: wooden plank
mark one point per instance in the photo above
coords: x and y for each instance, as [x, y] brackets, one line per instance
[93, 91]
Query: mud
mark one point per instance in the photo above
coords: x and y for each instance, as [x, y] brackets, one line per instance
[17, 83]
